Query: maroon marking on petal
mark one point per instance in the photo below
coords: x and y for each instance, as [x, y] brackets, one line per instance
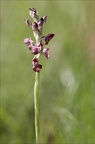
[48, 38]
[35, 26]
[34, 50]
[37, 68]
[33, 10]
[35, 60]
[42, 20]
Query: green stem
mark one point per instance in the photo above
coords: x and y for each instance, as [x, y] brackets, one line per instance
[36, 90]
[36, 87]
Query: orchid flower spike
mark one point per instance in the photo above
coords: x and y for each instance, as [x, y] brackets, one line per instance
[37, 49]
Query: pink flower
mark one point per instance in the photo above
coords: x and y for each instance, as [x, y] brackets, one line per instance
[28, 41]
[46, 52]
[35, 49]
[36, 66]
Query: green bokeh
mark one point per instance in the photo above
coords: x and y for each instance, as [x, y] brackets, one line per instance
[66, 99]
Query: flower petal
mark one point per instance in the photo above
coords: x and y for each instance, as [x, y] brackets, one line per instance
[28, 42]
[34, 50]
[42, 21]
[46, 52]
[35, 28]
[48, 38]
[37, 68]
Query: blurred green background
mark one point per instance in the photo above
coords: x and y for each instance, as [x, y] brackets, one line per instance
[66, 97]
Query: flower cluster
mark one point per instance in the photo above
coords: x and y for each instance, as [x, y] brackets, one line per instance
[37, 48]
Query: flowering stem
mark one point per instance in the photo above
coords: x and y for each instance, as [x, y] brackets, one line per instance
[36, 87]
[37, 49]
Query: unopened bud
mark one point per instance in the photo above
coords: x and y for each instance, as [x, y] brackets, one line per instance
[33, 14]
[28, 22]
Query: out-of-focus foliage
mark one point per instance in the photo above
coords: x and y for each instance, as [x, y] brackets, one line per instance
[66, 98]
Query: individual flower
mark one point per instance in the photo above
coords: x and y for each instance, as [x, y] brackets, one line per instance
[46, 52]
[28, 42]
[33, 14]
[36, 66]
[35, 49]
